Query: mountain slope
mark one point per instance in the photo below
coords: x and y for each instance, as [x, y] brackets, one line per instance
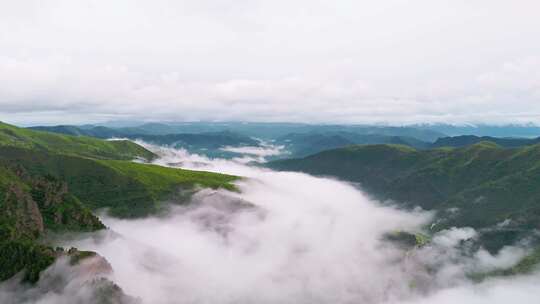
[11, 136]
[483, 186]
[511, 130]
[52, 183]
[206, 143]
[98, 172]
[98, 131]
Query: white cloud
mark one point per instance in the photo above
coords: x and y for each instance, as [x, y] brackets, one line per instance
[304, 240]
[285, 238]
[292, 238]
[322, 61]
[520, 290]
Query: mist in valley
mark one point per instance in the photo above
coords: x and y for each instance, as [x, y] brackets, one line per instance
[285, 238]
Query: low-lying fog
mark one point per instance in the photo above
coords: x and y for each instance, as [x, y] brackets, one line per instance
[294, 238]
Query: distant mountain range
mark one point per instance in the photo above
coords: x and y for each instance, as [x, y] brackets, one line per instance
[304, 144]
[207, 143]
[511, 130]
[210, 138]
[424, 132]
[266, 131]
[466, 140]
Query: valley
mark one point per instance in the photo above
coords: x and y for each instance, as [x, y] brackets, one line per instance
[64, 191]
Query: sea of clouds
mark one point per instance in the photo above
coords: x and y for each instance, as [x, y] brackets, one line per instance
[289, 237]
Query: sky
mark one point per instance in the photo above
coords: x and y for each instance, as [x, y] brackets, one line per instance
[339, 61]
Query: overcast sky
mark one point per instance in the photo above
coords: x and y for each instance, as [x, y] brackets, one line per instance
[383, 61]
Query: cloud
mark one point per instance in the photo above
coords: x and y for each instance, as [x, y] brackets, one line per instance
[109, 92]
[519, 290]
[63, 283]
[285, 238]
[349, 62]
[258, 154]
[290, 238]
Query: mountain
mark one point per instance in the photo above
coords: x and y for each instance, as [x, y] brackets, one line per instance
[485, 186]
[52, 183]
[304, 144]
[92, 131]
[511, 130]
[466, 140]
[207, 143]
[11, 136]
[268, 131]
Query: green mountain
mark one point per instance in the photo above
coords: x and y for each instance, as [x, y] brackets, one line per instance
[11, 136]
[206, 143]
[492, 189]
[98, 131]
[304, 144]
[52, 183]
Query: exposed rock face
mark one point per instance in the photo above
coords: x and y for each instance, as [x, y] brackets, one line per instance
[84, 276]
[62, 209]
[23, 212]
[29, 207]
[43, 203]
[51, 192]
[105, 291]
[85, 282]
[89, 262]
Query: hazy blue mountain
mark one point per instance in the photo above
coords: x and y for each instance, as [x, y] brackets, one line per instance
[465, 140]
[493, 189]
[303, 144]
[527, 130]
[272, 131]
[210, 140]
[208, 143]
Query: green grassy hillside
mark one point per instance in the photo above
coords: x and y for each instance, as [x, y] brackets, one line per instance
[11, 136]
[126, 188]
[53, 183]
[210, 144]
